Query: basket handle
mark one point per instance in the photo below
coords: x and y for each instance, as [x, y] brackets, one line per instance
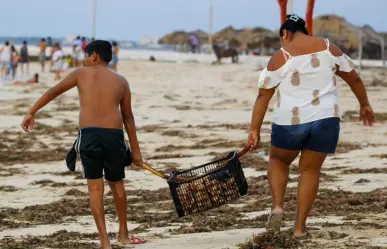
[154, 171]
[246, 149]
[160, 174]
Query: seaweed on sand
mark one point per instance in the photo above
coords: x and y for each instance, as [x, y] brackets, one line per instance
[271, 240]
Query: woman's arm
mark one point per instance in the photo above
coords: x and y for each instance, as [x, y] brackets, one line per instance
[262, 101]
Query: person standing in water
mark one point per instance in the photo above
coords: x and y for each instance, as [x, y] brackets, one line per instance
[306, 114]
[42, 53]
[15, 58]
[114, 62]
[106, 107]
[24, 58]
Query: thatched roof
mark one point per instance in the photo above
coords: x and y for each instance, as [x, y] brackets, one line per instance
[336, 28]
[258, 37]
[346, 35]
[181, 37]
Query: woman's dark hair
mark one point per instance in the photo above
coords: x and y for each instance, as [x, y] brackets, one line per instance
[293, 24]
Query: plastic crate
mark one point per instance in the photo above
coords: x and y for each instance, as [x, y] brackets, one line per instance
[208, 186]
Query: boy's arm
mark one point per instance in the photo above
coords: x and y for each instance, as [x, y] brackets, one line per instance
[130, 126]
[66, 84]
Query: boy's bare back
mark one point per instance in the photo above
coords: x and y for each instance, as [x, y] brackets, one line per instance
[101, 92]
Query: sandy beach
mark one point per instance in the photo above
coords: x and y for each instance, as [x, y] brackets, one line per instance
[187, 113]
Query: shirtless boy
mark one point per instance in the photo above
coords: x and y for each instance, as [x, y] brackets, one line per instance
[105, 101]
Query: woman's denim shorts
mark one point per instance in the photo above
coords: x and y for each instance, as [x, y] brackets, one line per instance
[320, 136]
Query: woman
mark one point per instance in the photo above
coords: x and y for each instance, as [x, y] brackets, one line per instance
[306, 114]
[57, 61]
[114, 61]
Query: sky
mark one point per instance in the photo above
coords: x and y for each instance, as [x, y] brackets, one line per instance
[133, 19]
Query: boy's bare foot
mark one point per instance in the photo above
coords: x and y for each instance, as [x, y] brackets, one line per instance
[123, 240]
[126, 239]
[106, 245]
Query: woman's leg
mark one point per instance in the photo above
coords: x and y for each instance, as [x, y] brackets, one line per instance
[310, 166]
[278, 175]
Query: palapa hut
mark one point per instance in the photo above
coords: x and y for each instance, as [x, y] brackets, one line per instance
[182, 37]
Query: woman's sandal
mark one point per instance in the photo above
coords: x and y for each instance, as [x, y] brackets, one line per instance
[304, 236]
[274, 221]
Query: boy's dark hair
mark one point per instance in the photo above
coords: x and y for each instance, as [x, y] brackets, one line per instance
[43, 40]
[114, 43]
[25, 42]
[102, 48]
[293, 24]
[6, 43]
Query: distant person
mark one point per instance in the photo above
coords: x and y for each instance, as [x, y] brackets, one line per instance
[84, 44]
[15, 58]
[49, 41]
[5, 59]
[24, 58]
[42, 53]
[114, 61]
[106, 109]
[194, 43]
[57, 61]
[33, 80]
[67, 62]
[306, 125]
[78, 55]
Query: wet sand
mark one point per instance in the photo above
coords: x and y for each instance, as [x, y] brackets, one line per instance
[187, 114]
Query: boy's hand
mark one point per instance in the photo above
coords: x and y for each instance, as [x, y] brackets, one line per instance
[28, 122]
[137, 159]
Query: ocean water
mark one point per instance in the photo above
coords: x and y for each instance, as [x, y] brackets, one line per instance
[34, 41]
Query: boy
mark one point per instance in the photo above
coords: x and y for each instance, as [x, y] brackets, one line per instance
[105, 101]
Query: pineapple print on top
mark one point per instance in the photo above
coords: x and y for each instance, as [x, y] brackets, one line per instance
[316, 98]
[315, 61]
[278, 98]
[266, 82]
[296, 80]
[336, 112]
[296, 116]
[334, 75]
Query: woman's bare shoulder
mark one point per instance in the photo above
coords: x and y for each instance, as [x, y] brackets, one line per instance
[276, 61]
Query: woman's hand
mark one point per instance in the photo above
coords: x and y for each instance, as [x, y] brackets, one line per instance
[367, 115]
[253, 139]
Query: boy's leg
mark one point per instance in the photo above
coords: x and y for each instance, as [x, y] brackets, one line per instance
[119, 196]
[96, 191]
[88, 147]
